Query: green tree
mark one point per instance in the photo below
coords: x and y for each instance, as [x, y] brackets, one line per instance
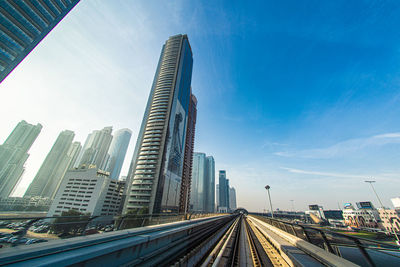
[70, 222]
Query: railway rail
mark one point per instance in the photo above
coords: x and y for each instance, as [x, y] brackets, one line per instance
[226, 240]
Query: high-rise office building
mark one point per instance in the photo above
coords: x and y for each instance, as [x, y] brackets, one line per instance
[13, 154]
[188, 158]
[232, 199]
[50, 174]
[74, 153]
[155, 175]
[210, 185]
[197, 196]
[94, 152]
[23, 24]
[228, 202]
[217, 196]
[223, 191]
[117, 152]
[202, 196]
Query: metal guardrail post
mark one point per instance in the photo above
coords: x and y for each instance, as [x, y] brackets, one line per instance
[306, 234]
[294, 231]
[326, 241]
[120, 223]
[364, 252]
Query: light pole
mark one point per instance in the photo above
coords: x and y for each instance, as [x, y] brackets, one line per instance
[270, 203]
[384, 210]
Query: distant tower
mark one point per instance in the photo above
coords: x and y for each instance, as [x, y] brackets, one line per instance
[188, 158]
[117, 152]
[210, 185]
[156, 172]
[232, 199]
[94, 152]
[197, 196]
[23, 24]
[223, 191]
[13, 154]
[48, 178]
[202, 197]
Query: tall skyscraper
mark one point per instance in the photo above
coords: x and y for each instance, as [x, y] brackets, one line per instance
[198, 194]
[232, 199]
[210, 185]
[50, 174]
[202, 197]
[23, 24]
[74, 153]
[94, 152]
[117, 152]
[13, 154]
[155, 176]
[188, 158]
[223, 191]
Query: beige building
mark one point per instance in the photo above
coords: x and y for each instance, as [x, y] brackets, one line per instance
[393, 216]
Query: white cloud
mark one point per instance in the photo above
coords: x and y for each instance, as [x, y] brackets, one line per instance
[344, 147]
[330, 174]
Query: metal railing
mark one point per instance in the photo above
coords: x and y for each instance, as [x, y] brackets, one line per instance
[362, 251]
[16, 231]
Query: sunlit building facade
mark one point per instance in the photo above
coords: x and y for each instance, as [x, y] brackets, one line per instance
[50, 174]
[23, 24]
[223, 192]
[155, 175]
[117, 151]
[202, 197]
[188, 157]
[13, 155]
[94, 151]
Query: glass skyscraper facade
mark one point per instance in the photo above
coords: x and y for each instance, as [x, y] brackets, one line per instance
[94, 151]
[23, 24]
[223, 190]
[232, 199]
[155, 175]
[202, 196]
[116, 153]
[198, 194]
[14, 153]
[188, 158]
[209, 205]
[50, 174]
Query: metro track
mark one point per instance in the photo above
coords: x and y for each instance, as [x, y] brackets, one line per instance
[238, 243]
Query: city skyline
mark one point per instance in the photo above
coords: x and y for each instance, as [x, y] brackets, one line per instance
[322, 108]
[64, 154]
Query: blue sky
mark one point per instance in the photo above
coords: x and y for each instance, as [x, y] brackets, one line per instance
[301, 95]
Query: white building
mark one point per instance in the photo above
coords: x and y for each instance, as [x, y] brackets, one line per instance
[366, 216]
[88, 191]
[396, 202]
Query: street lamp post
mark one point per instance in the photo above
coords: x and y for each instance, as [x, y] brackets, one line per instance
[384, 210]
[270, 203]
[292, 204]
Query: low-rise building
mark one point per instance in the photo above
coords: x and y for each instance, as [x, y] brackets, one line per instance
[366, 216]
[390, 219]
[25, 204]
[89, 191]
